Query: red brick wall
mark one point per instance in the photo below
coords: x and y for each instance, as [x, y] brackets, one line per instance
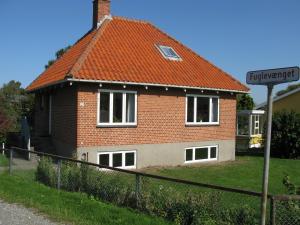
[161, 119]
[64, 113]
[41, 112]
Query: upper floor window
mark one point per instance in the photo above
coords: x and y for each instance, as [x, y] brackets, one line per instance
[168, 52]
[117, 108]
[202, 109]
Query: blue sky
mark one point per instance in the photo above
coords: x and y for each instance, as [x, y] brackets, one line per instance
[235, 35]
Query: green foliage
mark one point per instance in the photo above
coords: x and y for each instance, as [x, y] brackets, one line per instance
[285, 135]
[3, 160]
[292, 189]
[164, 201]
[245, 102]
[14, 104]
[65, 207]
[289, 209]
[288, 89]
[45, 172]
[58, 55]
[5, 124]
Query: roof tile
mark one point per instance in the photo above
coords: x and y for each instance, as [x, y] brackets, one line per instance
[126, 51]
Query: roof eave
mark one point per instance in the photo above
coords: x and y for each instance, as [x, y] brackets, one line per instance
[29, 90]
[277, 98]
[156, 85]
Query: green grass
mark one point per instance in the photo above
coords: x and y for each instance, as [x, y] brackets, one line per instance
[245, 173]
[3, 161]
[75, 208]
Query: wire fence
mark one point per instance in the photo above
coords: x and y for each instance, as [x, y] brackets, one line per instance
[180, 201]
[286, 210]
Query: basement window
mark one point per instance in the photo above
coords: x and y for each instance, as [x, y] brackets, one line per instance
[168, 52]
[120, 159]
[201, 154]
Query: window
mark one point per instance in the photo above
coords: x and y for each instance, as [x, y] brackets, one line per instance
[243, 125]
[122, 159]
[199, 154]
[117, 108]
[202, 110]
[257, 124]
[168, 52]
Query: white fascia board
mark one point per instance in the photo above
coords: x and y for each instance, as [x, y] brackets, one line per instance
[153, 85]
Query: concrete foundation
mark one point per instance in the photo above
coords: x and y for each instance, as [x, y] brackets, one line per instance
[169, 154]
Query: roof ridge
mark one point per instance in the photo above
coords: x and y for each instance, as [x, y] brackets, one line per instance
[77, 65]
[197, 55]
[131, 19]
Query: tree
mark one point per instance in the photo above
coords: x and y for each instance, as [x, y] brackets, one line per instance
[285, 135]
[288, 89]
[58, 55]
[5, 124]
[14, 104]
[245, 102]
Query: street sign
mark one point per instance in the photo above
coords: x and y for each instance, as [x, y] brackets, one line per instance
[270, 78]
[273, 76]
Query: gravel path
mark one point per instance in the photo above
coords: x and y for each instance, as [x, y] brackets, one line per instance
[13, 214]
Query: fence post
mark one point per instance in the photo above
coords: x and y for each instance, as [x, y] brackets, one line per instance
[58, 173]
[3, 148]
[10, 160]
[137, 189]
[273, 211]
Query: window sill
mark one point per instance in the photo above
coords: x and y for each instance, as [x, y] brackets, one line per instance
[123, 168]
[200, 161]
[201, 124]
[116, 126]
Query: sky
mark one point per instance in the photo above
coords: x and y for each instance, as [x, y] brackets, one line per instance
[237, 36]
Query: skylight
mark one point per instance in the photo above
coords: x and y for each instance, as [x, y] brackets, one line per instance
[168, 52]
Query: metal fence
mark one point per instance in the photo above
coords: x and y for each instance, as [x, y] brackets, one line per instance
[180, 201]
[285, 209]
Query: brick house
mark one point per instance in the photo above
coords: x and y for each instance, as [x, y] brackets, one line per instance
[128, 95]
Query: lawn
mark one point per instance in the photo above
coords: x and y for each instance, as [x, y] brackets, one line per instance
[244, 173]
[75, 208]
[3, 160]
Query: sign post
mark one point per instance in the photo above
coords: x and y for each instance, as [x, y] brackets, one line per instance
[270, 78]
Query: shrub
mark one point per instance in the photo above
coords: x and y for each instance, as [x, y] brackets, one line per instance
[182, 208]
[285, 135]
[288, 210]
[45, 172]
[70, 174]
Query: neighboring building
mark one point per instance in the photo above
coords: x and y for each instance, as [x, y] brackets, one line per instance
[288, 101]
[130, 96]
[249, 133]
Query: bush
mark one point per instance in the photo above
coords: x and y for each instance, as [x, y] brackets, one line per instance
[285, 135]
[169, 203]
[288, 210]
[46, 173]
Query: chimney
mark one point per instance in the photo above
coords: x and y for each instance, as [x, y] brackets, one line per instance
[101, 8]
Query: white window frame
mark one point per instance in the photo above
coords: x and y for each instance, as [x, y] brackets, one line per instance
[202, 160]
[159, 47]
[256, 127]
[195, 110]
[110, 153]
[111, 123]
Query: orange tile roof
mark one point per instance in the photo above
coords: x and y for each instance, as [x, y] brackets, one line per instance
[124, 50]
